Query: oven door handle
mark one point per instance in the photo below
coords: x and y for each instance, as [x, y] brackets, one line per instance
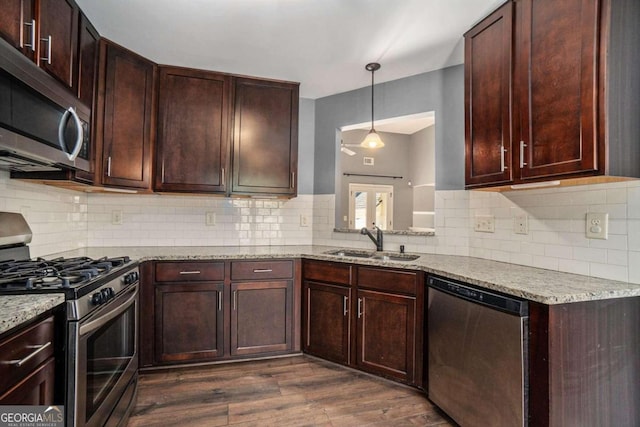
[102, 320]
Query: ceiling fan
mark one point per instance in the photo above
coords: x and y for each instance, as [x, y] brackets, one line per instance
[345, 148]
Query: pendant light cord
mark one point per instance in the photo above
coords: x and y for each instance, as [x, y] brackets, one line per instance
[372, 72]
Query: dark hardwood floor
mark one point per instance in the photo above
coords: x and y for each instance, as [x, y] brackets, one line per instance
[293, 391]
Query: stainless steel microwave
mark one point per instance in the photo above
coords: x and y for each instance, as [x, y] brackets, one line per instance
[43, 127]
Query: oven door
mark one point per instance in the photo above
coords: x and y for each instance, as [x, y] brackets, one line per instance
[106, 362]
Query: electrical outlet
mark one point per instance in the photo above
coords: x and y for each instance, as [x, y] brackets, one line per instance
[485, 223]
[210, 218]
[304, 220]
[597, 225]
[521, 224]
[116, 217]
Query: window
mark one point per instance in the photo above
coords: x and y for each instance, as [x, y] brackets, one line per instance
[369, 204]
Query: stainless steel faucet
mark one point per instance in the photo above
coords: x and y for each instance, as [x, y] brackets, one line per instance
[377, 240]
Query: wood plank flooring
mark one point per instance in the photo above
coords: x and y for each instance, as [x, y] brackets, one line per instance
[293, 391]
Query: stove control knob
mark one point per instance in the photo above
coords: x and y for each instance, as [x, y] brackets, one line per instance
[131, 278]
[97, 298]
[107, 294]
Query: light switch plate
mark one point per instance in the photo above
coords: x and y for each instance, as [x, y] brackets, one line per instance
[484, 223]
[210, 219]
[521, 224]
[116, 217]
[597, 225]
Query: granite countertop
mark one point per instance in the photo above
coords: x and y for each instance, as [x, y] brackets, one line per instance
[18, 309]
[535, 284]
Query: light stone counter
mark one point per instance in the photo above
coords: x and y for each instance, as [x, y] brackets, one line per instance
[18, 309]
[535, 284]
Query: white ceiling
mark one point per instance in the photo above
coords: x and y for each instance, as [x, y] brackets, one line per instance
[323, 44]
[407, 125]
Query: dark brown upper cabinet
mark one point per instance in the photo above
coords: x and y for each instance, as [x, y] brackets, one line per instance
[87, 60]
[17, 25]
[45, 31]
[193, 131]
[57, 36]
[488, 99]
[265, 137]
[127, 117]
[541, 100]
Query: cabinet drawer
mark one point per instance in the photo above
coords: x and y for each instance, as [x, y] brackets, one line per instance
[189, 271]
[256, 270]
[326, 271]
[387, 280]
[23, 352]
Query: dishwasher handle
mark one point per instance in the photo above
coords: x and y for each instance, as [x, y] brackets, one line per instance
[503, 303]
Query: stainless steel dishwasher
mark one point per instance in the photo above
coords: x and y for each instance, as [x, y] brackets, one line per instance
[477, 361]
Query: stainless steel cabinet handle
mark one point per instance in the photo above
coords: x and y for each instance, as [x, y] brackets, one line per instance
[360, 306]
[522, 146]
[48, 58]
[79, 131]
[235, 300]
[32, 42]
[222, 178]
[293, 180]
[39, 349]
[262, 270]
[162, 173]
[503, 167]
[109, 166]
[190, 272]
[219, 301]
[344, 305]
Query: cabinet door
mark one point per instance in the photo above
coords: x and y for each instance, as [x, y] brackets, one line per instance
[18, 26]
[193, 131]
[261, 314]
[265, 137]
[488, 145]
[189, 322]
[87, 59]
[35, 389]
[128, 117]
[386, 334]
[557, 83]
[58, 38]
[326, 320]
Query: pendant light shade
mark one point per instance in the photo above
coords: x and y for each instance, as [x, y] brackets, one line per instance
[372, 140]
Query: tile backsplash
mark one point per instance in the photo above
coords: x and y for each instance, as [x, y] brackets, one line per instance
[58, 218]
[63, 220]
[168, 220]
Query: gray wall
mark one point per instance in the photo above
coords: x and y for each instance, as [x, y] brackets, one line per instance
[441, 91]
[422, 161]
[392, 160]
[306, 140]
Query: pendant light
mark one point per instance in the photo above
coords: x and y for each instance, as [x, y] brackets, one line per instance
[372, 140]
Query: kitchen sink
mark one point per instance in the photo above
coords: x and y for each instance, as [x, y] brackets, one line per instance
[350, 253]
[383, 256]
[395, 257]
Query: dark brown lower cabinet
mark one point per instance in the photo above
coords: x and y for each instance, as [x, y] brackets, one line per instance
[328, 314]
[189, 322]
[584, 363]
[386, 334]
[261, 317]
[365, 317]
[36, 389]
[27, 365]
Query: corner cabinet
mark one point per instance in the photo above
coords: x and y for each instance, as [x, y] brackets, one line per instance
[366, 317]
[265, 137]
[538, 95]
[126, 127]
[193, 131]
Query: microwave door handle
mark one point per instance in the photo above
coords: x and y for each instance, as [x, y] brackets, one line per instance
[80, 133]
[102, 320]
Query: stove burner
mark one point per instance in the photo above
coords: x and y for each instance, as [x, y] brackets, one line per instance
[55, 274]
